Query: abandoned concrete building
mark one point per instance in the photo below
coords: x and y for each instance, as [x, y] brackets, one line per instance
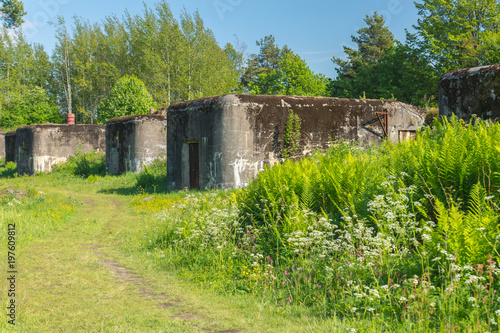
[471, 91]
[2, 145]
[39, 147]
[134, 141]
[224, 141]
[10, 146]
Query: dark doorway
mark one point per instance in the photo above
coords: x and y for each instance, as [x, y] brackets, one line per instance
[194, 166]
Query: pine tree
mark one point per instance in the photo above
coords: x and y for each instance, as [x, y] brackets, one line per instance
[371, 41]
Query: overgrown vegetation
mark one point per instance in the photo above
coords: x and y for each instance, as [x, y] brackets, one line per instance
[392, 237]
[292, 135]
[7, 170]
[92, 167]
[84, 165]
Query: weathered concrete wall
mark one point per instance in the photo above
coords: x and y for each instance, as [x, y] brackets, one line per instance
[2, 145]
[134, 141]
[39, 147]
[236, 135]
[10, 146]
[469, 91]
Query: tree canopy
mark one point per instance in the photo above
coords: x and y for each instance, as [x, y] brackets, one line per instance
[279, 71]
[454, 33]
[179, 59]
[129, 96]
[12, 12]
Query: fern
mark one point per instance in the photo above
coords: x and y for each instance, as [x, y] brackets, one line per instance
[468, 235]
[307, 195]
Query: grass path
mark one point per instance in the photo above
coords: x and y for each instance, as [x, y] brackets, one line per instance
[90, 277]
[81, 279]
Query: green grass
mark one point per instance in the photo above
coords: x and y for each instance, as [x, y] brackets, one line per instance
[75, 238]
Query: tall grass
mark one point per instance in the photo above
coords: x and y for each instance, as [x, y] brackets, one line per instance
[7, 169]
[84, 165]
[92, 166]
[35, 213]
[398, 237]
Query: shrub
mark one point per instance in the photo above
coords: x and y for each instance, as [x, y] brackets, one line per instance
[153, 176]
[7, 170]
[129, 96]
[84, 164]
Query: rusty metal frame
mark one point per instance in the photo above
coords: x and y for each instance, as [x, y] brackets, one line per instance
[385, 126]
[383, 120]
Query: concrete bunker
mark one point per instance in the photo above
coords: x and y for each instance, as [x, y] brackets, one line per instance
[10, 146]
[471, 91]
[224, 141]
[134, 141]
[39, 147]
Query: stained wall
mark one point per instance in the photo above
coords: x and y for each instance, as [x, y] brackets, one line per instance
[471, 91]
[39, 147]
[134, 141]
[236, 135]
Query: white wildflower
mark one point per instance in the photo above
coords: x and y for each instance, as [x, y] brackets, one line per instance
[427, 237]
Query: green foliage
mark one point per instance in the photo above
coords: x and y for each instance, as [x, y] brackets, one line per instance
[292, 77]
[470, 235]
[489, 52]
[292, 135]
[452, 33]
[404, 235]
[25, 81]
[7, 170]
[153, 176]
[12, 12]
[450, 158]
[371, 41]
[236, 57]
[84, 165]
[177, 59]
[276, 71]
[385, 68]
[129, 96]
[263, 63]
[443, 163]
[31, 107]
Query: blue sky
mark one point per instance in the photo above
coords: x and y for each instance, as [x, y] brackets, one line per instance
[316, 29]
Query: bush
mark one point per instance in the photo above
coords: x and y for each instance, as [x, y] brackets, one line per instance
[153, 176]
[30, 107]
[7, 170]
[129, 96]
[84, 164]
